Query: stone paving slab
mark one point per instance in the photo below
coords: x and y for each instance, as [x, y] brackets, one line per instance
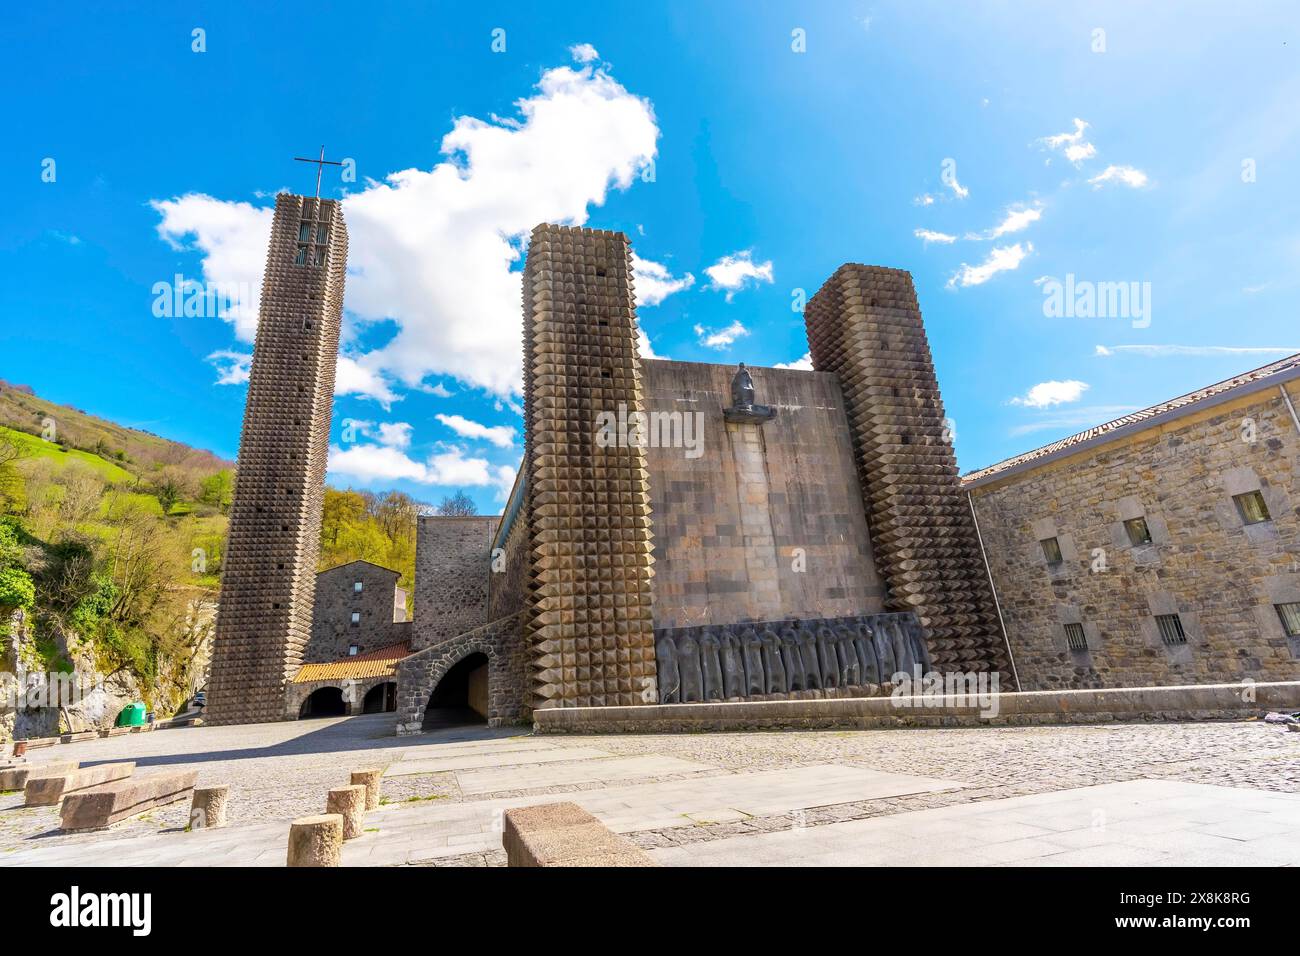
[583, 771]
[494, 757]
[1137, 823]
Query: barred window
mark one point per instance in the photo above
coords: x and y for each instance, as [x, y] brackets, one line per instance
[1251, 507]
[1051, 550]
[1138, 532]
[1290, 616]
[1171, 630]
[1075, 639]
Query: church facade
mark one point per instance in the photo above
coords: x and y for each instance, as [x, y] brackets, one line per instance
[686, 532]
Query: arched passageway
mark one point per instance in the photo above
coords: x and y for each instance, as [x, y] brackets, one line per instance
[382, 698]
[324, 702]
[461, 697]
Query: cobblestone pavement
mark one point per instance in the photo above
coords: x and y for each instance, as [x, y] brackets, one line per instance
[280, 771]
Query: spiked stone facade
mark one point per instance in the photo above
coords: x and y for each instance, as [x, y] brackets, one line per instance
[269, 575]
[588, 507]
[865, 325]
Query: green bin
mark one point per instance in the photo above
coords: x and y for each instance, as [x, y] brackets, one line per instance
[132, 715]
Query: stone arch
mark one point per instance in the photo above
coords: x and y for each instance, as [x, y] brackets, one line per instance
[324, 701]
[380, 698]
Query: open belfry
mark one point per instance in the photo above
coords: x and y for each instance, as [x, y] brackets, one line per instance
[269, 569]
[864, 324]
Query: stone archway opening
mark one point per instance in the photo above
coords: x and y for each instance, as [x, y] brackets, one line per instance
[380, 699]
[324, 702]
[461, 697]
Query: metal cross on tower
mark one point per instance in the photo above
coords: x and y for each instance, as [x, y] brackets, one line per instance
[320, 165]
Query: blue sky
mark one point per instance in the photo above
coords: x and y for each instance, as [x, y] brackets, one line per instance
[991, 149]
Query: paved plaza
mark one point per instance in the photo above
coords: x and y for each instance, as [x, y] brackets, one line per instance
[1184, 794]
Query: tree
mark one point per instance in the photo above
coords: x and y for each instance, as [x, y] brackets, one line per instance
[216, 490]
[457, 505]
[169, 487]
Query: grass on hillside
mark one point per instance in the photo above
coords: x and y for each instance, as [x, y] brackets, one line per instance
[34, 446]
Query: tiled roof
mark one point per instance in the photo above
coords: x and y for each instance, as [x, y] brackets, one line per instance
[1248, 381]
[381, 662]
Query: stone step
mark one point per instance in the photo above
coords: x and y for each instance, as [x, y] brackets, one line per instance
[111, 803]
[16, 777]
[564, 834]
[48, 791]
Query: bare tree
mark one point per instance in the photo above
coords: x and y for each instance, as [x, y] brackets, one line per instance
[457, 505]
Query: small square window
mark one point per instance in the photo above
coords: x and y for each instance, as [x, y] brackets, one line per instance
[353, 649]
[357, 586]
[1075, 639]
[1138, 532]
[1290, 616]
[356, 618]
[1052, 550]
[1251, 507]
[1171, 630]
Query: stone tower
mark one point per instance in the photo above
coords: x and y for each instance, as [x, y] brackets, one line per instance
[269, 571]
[865, 325]
[588, 506]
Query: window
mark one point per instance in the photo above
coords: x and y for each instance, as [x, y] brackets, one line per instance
[300, 257]
[1251, 507]
[1290, 615]
[357, 587]
[353, 649]
[1075, 638]
[1138, 532]
[304, 232]
[1051, 550]
[356, 618]
[1171, 630]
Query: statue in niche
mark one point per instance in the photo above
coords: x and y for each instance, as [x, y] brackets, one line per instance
[863, 641]
[827, 658]
[733, 666]
[743, 410]
[850, 670]
[812, 669]
[688, 669]
[794, 676]
[710, 665]
[884, 651]
[755, 679]
[773, 664]
[669, 680]
[902, 650]
[920, 649]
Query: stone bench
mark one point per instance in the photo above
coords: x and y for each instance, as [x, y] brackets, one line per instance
[16, 777]
[111, 803]
[564, 834]
[48, 791]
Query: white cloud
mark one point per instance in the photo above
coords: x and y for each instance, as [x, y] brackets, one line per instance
[433, 249]
[437, 389]
[354, 377]
[720, 338]
[394, 434]
[1017, 219]
[734, 272]
[929, 235]
[449, 468]
[1000, 259]
[584, 53]
[654, 282]
[503, 436]
[1194, 351]
[232, 237]
[1047, 394]
[232, 367]
[805, 363]
[1069, 420]
[643, 346]
[1073, 145]
[1125, 175]
[958, 189]
[925, 199]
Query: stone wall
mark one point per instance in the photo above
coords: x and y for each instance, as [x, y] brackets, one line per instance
[511, 570]
[501, 642]
[268, 578]
[754, 522]
[452, 571]
[332, 630]
[1220, 575]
